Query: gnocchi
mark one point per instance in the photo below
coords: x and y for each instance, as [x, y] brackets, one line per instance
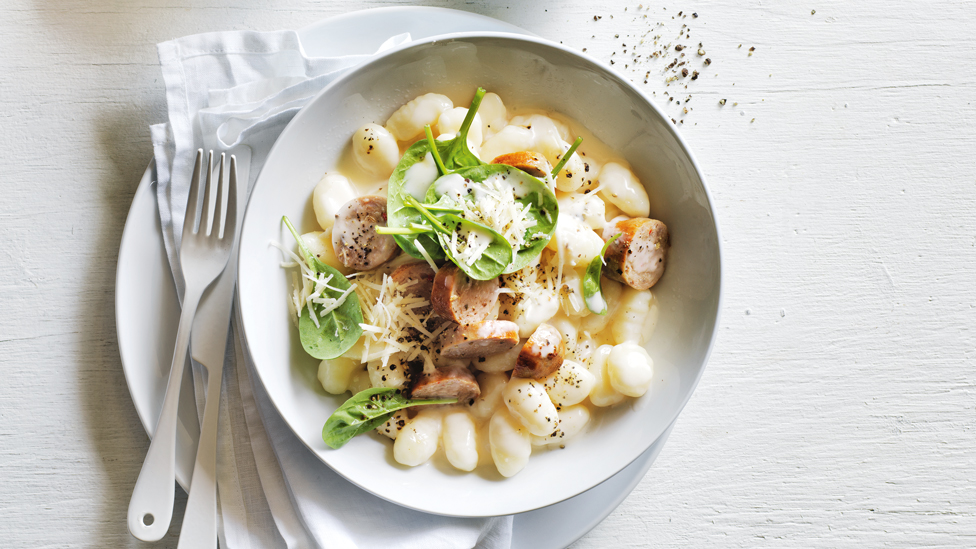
[572, 420]
[409, 120]
[628, 325]
[336, 374]
[630, 369]
[491, 394]
[603, 393]
[511, 443]
[331, 193]
[417, 440]
[528, 401]
[449, 122]
[375, 150]
[620, 186]
[494, 115]
[570, 384]
[460, 440]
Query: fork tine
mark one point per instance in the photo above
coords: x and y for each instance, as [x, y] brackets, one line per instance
[210, 201]
[229, 196]
[191, 218]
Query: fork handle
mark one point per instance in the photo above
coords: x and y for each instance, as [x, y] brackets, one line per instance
[154, 491]
[199, 530]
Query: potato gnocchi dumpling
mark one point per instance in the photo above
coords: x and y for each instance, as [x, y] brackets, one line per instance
[505, 407]
[375, 150]
[409, 120]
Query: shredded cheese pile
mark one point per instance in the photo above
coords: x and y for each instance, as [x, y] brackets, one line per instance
[391, 324]
[309, 286]
[496, 207]
[470, 247]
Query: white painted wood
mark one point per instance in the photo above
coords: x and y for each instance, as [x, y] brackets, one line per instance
[839, 407]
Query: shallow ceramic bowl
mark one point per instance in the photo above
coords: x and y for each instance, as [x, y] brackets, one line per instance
[525, 72]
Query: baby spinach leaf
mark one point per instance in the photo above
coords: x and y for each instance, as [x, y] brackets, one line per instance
[367, 410]
[492, 261]
[459, 155]
[529, 191]
[592, 292]
[401, 216]
[338, 330]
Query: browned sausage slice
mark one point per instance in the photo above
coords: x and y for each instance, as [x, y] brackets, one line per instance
[459, 298]
[542, 354]
[417, 280]
[637, 258]
[529, 162]
[354, 235]
[447, 382]
[479, 339]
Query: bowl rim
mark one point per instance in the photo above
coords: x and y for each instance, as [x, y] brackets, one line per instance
[605, 71]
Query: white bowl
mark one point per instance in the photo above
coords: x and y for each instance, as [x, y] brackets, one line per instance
[525, 72]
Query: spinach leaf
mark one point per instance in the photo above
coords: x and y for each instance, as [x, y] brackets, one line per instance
[492, 261]
[459, 155]
[450, 227]
[592, 292]
[338, 330]
[365, 411]
[401, 216]
[451, 154]
[543, 208]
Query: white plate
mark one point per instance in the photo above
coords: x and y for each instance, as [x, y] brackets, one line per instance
[526, 72]
[147, 310]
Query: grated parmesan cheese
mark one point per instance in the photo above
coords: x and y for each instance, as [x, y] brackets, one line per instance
[309, 286]
[393, 330]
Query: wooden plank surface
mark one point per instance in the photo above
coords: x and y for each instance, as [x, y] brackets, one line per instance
[839, 406]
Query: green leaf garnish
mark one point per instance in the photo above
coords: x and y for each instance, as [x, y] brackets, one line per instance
[339, 329]
[492, 261]
[592, 292]
[565, 158]
[543, 207]
[367, 410]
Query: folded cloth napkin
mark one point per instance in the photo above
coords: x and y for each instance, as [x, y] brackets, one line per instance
[224, 90]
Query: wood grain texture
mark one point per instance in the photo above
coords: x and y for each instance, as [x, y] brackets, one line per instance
[839, 406]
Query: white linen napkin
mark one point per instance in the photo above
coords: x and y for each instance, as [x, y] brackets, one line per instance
[241, 88]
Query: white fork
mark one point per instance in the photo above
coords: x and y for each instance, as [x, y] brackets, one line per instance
[208, 235]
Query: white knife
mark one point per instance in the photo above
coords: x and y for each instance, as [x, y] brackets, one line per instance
[208, 344]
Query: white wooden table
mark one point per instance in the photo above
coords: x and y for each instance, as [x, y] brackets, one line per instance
[839, 406]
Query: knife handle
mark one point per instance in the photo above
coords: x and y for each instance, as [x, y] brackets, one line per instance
[151, 506]
[200, 518]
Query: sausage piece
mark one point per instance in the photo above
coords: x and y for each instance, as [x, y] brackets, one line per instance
[479, 339]
[354, 234]
[637, 257]
[417, 280]
[529, 162]
[459, 298]
[447, 382]
[542, 354]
